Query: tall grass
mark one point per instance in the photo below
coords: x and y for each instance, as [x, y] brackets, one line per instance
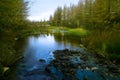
[105, 43]
[77, 32]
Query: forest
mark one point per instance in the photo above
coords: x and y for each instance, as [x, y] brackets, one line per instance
[93, 23]
[100, 18]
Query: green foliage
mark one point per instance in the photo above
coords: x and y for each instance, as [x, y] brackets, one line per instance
[101, 18]
[92, 14]
[113, 45]
[77, 32]
[57, 17]
[12, 22]
[7, 52]
[104, 43]
[12, 14]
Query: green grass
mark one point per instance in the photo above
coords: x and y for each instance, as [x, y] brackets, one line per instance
[70, 31]
[105, 43]
[77, 32]
[56, 29]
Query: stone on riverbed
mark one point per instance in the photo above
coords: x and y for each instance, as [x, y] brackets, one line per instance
[76, 66]
[42, 60]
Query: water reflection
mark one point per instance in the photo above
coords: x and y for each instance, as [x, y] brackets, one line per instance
[38, 53]
[40, 47]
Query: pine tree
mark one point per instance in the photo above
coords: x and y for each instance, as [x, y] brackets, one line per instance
[12, 14]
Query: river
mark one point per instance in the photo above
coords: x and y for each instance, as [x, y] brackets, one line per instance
[38, 48]
[38, 53]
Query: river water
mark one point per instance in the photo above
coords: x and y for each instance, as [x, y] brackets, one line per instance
[38, 53]
[40, 47]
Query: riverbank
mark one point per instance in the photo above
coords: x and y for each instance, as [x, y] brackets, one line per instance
[11, 53]
[104, 43]
[98, 44]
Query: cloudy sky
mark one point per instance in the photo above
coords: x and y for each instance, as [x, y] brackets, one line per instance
[42, 9]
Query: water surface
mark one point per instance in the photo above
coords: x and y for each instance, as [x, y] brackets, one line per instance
[39, 52]
[40, 48]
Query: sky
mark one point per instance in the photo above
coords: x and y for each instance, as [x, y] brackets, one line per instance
[41, 9]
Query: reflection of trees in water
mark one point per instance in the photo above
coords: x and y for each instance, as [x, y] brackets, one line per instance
[60, 39]
[65, 39]
[42, 34]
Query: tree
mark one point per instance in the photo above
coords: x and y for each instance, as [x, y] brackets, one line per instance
[91, 14]
[58, 16]
[115, 11]
[64, 16]
[71, 17]
[80, 16]
[12, 14]
[51, 20]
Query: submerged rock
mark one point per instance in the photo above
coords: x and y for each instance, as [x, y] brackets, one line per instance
[42, 60]
[48, 69]
[80, 66]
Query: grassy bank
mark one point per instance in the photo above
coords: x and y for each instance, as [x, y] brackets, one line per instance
[69, 31]
[78, 32]
[105, 43]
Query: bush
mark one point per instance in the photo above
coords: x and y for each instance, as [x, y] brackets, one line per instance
[106, 43]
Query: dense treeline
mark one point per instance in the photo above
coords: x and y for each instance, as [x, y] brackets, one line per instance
[92, 14]
[100, 17]
[12, 15]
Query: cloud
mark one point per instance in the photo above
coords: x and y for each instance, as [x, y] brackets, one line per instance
[40, 16]
[42, 9]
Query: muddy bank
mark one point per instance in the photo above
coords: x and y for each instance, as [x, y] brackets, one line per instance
[77, 65]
